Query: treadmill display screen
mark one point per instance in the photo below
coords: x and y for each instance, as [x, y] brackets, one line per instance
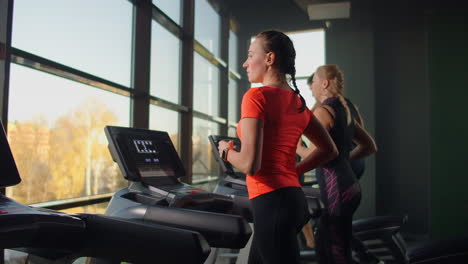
[148, 160]
[144, 146]
[144, 155]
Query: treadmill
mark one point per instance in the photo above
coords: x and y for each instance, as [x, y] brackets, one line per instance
[149, 161]
[62, 238]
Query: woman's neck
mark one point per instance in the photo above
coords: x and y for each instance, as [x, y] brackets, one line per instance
[274, 81]
[325, 97]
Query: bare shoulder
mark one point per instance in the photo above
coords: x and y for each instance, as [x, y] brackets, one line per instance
[324, 115]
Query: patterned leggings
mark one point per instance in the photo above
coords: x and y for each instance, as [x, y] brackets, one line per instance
[335, 231]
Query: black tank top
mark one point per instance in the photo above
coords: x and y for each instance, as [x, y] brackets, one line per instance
[342, 133]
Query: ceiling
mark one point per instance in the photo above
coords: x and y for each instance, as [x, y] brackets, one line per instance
[254, 16]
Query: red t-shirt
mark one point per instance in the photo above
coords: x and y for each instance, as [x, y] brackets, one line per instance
[283, 125]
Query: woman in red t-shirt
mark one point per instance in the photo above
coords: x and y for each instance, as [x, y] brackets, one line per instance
[273, 117]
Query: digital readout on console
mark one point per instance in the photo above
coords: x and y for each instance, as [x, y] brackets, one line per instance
[145, 146]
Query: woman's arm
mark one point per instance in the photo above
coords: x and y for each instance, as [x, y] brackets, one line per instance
[324, 149]
[302, 150]
[365, 143]
[249, 159]
[326, 120]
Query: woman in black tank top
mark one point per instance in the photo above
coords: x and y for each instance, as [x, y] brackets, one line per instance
[340, 191]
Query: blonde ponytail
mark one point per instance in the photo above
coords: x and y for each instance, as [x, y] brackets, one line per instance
[345, 105]
[334, 75]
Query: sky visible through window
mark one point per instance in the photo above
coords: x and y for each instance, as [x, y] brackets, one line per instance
[91, 36]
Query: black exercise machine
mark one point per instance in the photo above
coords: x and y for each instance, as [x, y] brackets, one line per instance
[381, 234]
[149, 161]
[62, 237]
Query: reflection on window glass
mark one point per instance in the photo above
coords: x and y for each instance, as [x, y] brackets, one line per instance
[59, 144]
[233, 60]
[207, 26]
[165, 120]
[233, 104]
[91, 36]
[171, 8]
[204, 165]
[310, 51]
[165, 64]
[205, 86]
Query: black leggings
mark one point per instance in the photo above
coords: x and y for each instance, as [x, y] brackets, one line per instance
[278, 217]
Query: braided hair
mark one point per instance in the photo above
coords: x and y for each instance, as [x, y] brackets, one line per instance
[281, 45]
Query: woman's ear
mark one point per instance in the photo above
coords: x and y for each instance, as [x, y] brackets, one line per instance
[270, 58]
[325, 84]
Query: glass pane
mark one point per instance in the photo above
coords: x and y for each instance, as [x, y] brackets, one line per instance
[204, 166]
[165, 120]
[171, 8]
[205, 86]
[306, 92]
[207, 26]
[232, 132]
[91, 36]
[56, 132]
[165, 64]
[310, 51]
[233, 54]
[233, 104]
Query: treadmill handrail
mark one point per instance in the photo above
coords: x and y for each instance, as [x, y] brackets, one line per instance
[220, 230]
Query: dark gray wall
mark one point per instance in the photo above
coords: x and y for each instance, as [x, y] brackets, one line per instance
[448, 55]
[403, 118]
[349, 44]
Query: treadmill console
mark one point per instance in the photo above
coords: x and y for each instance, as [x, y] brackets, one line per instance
[144, 155]
[148, 159]
[227, 168]
[8, 170]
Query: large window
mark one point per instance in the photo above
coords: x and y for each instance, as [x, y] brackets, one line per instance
[207, 26]
[70, 77]
[91, 36]
[233, 103]
[165, 64]
[310, 53]
[206, 86]
[172, 8]
[165, 120]
[72, 74]
[56, 132]
[233, 52]
[233, 87]
[204, 165]
[207, 78]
